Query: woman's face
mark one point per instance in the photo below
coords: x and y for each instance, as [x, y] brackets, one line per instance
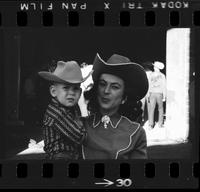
[110, 93]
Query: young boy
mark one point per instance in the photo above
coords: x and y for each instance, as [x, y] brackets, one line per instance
[63, 131]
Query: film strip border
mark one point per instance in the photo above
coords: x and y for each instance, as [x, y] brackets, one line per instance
[175, 13]
[108, 174]
[137, 174]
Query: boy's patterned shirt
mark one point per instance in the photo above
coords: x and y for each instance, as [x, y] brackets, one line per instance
[62, 131]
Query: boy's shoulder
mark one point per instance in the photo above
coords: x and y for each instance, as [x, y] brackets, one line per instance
[55, 110]
[52, 114]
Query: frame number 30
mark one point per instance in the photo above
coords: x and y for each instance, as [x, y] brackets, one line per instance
[123, 182]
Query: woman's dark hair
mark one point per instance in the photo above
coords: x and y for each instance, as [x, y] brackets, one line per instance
[130, 109]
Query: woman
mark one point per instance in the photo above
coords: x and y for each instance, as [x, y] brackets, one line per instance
[113, 104]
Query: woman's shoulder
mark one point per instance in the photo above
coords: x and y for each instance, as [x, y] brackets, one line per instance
[135, 126]
[130, 122]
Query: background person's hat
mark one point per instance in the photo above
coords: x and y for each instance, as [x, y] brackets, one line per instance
[65, 72]
[159, 65]
[133, 74]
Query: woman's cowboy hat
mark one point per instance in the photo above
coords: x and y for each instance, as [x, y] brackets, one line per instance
[133, 74]
[65, 72]
[159, 65]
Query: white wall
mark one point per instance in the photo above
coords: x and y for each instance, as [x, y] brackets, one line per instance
[177, 75]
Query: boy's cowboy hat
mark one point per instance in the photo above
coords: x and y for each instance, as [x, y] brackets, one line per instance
[159, 65]
[133, 74]
[65, 72]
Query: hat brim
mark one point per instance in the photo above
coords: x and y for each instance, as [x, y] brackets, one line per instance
[159, 67]
[133, 74]
[53, 78]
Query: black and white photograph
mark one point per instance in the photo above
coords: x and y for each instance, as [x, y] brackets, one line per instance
[98, 93]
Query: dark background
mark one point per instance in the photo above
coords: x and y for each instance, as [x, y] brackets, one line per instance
[81, 44]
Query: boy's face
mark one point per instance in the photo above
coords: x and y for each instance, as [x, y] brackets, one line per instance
[67, 94]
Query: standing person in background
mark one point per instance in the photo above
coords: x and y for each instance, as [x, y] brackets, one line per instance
[157, 93]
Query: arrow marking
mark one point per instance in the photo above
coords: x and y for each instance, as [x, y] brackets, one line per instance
[106, 183]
